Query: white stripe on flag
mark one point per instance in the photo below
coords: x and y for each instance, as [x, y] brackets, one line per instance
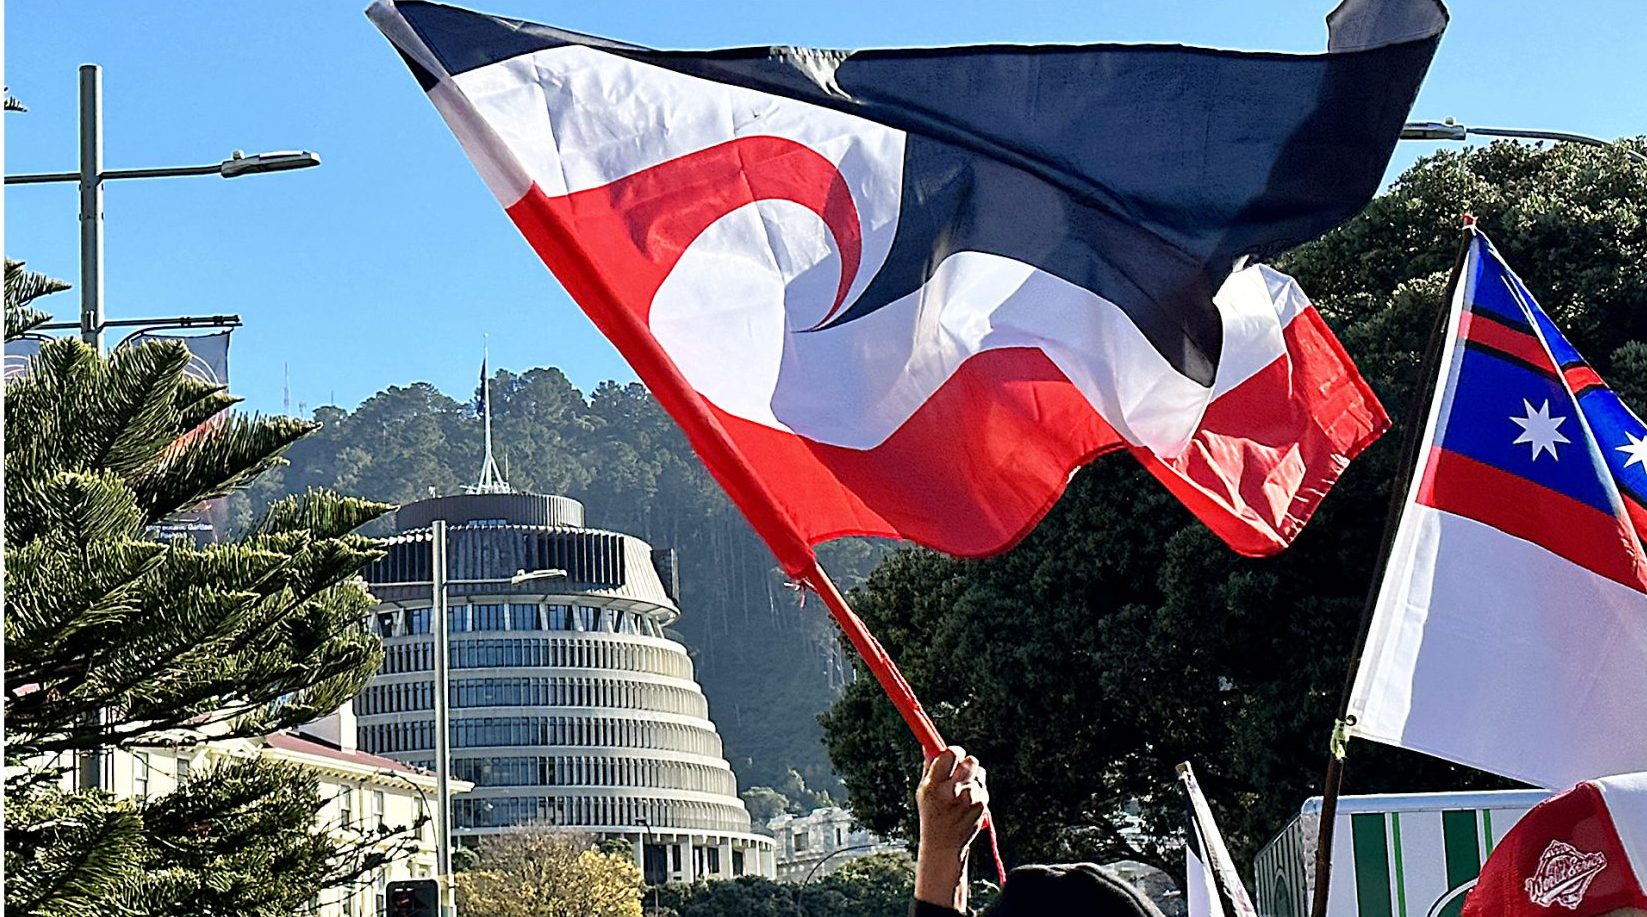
[1626, 797]
[1490, 651]
[1200, 888]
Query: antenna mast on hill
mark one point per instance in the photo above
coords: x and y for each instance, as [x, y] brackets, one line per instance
[491, 479]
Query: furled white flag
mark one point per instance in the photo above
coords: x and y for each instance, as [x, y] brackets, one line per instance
[1206, 859]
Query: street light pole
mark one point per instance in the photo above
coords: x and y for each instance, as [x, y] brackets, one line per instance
[91, 205]
[91, 177]
[440, 583]
[443, 748]
[646, 835]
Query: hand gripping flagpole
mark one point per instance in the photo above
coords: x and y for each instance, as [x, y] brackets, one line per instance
[1417, 411]
[892, 682]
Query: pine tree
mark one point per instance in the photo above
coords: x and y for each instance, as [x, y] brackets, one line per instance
[119, 638]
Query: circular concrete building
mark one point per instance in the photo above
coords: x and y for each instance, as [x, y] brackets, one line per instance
[570, 707]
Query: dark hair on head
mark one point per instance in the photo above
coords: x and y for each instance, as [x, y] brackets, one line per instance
[1072, 889]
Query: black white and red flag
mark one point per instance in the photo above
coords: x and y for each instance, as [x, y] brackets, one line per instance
[907, 292]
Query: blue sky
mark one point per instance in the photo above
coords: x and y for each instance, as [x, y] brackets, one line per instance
[387, 264]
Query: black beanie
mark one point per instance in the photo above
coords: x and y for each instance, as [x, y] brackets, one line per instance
[1073, 889]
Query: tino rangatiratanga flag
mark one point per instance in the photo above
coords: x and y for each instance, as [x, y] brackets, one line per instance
[907, 292]
[1510, 629]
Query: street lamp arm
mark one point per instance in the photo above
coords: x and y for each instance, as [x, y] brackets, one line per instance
[832, 854]
[523, 576]
[526, 576]
[232, 167]
[165, 172]
[177, 321]
[1539, 135]
[40, 178]
[1452, 130]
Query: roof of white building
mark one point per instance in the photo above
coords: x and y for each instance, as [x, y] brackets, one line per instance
[308, 745]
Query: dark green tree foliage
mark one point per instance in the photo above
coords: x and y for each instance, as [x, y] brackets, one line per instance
[117, 639]
[1121, 637]
[880, 885]
[239, 833]
[791, 795]
[23, 287]
[767, 665]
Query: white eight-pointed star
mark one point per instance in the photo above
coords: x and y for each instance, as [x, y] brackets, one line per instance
[1636, 450]
[1540, 429]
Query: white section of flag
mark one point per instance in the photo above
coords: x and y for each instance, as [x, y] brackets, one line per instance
[1493, 652]
[575, 118]
[1626, 798]
[856, 384]
[1200, 887]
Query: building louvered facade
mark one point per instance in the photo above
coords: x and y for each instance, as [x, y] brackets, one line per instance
[571, 707]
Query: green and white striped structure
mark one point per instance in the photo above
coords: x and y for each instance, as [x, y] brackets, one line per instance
[1394, 855]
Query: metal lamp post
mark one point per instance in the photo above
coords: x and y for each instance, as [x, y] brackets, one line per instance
[800, 890]
[91, 177]
[439, 586]
[1452, 130]
[832, 854]
[646, 833]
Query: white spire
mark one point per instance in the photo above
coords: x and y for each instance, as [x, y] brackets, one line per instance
[491, 479]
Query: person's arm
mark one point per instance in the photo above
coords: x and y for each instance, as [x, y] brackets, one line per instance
[951, 801]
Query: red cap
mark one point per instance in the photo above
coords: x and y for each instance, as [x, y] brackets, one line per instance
[1564, 858]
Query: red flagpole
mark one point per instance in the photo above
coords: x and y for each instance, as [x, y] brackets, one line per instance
[875, 656]
[892, 682]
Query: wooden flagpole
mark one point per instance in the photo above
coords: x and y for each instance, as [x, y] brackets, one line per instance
[1417, 420]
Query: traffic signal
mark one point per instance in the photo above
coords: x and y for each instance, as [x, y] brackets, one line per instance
[414, 898]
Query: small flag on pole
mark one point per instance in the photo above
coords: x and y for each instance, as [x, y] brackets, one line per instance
[208, 362]
[1211, 875]
[1510, 628]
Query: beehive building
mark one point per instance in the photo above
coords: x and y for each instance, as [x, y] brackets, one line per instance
[570, 705]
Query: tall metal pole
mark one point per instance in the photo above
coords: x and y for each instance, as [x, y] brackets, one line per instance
[91, 273]
[646, 835]
[91, 205]
[443, 749]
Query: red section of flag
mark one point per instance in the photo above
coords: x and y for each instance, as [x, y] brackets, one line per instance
[1581, 377]
[1638, 516]
[970, 473]
[1483, 329]
[982, 461]
[1566, 527]
[1268, 451]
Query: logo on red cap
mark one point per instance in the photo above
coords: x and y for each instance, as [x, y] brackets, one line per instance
[1563, 875]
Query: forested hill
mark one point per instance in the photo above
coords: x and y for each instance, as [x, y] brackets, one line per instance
[768, 665]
